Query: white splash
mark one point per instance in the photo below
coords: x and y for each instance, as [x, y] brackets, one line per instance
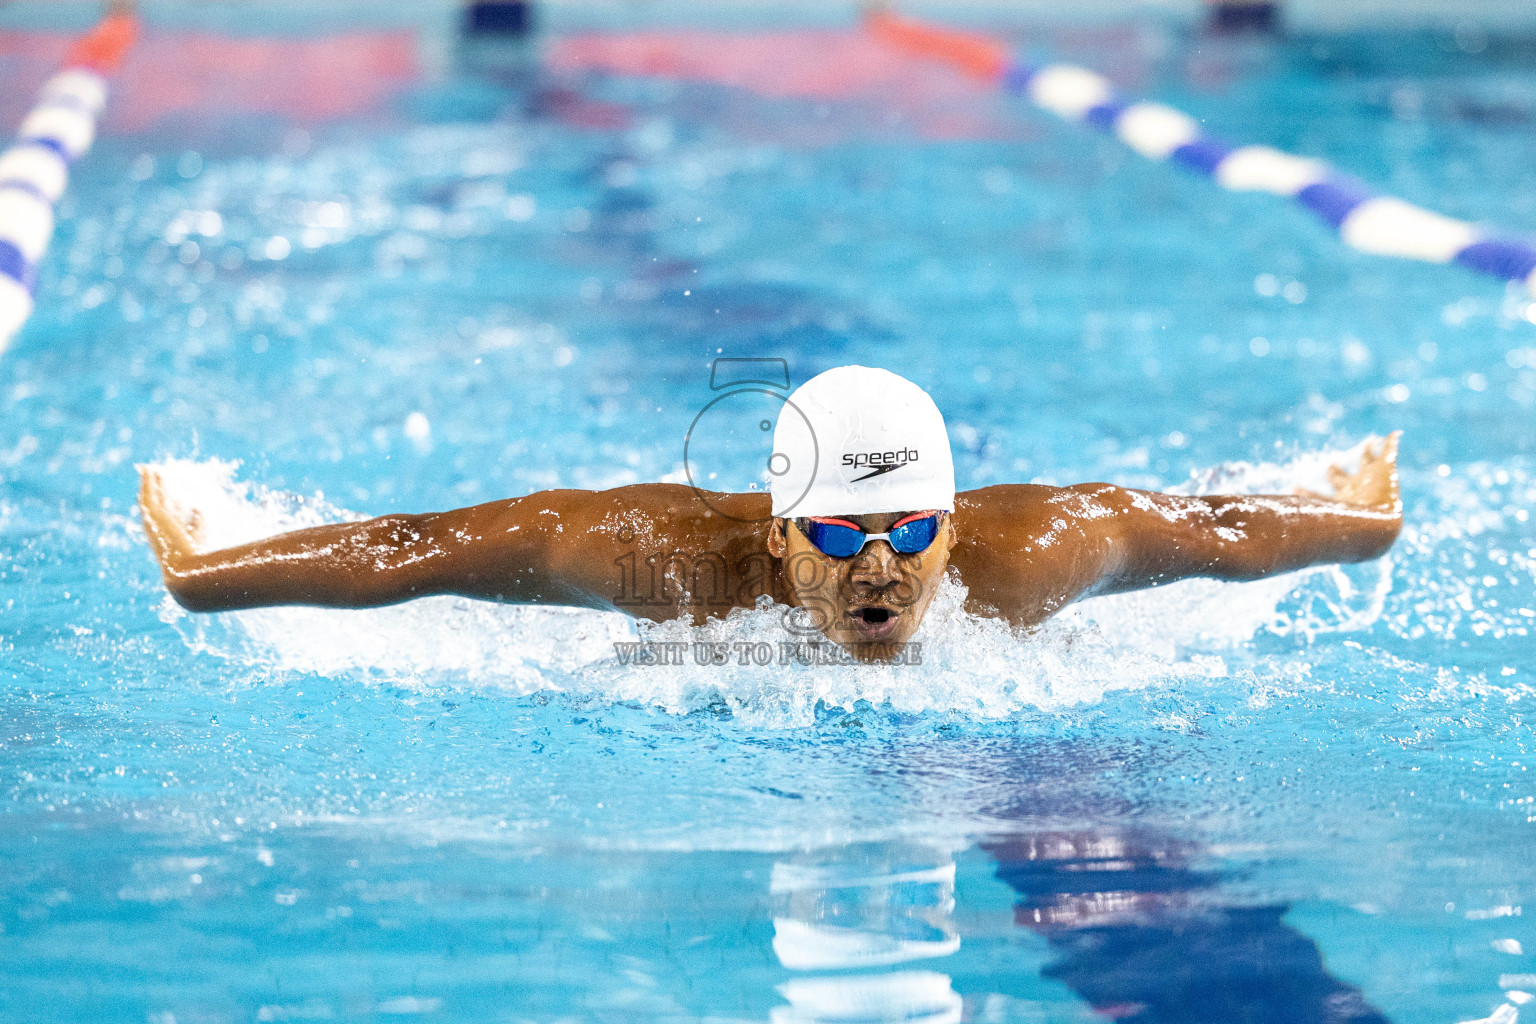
[975, 666]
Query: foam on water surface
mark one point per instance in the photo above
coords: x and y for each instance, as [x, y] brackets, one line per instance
[979, 667]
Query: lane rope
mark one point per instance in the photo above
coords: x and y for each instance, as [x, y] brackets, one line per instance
[34, 170]
[1363, 219]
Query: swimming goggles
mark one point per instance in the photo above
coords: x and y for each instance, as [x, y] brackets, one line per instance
[841, 539]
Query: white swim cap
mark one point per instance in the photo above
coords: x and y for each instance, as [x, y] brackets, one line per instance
[855, 441]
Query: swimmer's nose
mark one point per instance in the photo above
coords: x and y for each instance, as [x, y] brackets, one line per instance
[876, 564]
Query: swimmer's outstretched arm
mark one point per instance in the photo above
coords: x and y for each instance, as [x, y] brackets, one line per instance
[1075, 542]
[555, 547]
[1023, 551]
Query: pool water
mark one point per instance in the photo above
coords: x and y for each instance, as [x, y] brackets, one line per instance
[508, 268]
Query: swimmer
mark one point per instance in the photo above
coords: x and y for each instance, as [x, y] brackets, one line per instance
[861, 524]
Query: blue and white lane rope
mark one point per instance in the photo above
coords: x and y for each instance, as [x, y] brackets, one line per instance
[1364, 220]
[33, 174]
[35, 169]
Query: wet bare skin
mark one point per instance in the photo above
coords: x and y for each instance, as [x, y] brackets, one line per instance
[658, 551]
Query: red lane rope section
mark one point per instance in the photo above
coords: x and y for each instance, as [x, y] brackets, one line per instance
[102, 48]
[970, 51]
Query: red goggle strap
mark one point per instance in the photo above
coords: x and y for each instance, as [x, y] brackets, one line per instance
[828, 521]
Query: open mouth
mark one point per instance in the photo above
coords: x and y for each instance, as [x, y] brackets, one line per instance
[873, 622]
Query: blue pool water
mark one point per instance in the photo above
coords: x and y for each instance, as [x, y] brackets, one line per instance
[1299, 800]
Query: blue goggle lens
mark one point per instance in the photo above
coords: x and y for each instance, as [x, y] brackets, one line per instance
[910, 538]
[834, 540]
[845, 542]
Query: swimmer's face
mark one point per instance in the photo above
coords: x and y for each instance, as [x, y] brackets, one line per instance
[869, 603]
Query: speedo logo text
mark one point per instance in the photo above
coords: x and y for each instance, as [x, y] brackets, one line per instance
[878, 462]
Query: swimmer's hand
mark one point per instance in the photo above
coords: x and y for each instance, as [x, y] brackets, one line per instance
[1374, 485]
[173, 541]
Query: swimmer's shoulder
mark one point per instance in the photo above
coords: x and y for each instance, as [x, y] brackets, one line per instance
[650, 517]
[662, 501]
[1012, 553]
[1005, 516]
[1003, 503]
[686, 503]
